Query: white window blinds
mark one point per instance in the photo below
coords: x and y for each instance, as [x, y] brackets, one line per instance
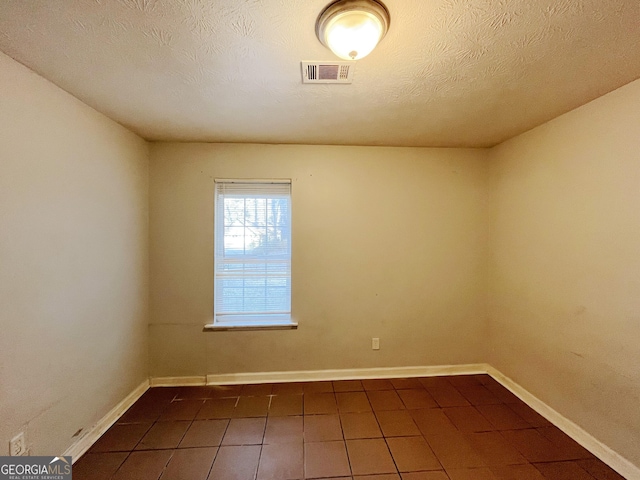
[252, 251]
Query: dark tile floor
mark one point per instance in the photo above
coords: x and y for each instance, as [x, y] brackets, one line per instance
[438, 428]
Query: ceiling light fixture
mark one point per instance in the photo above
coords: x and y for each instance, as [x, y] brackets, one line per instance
[352, 28]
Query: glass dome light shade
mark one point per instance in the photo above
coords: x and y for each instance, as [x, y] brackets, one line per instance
[352, 28]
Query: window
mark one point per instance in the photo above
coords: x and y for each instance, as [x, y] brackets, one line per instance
[252, 244]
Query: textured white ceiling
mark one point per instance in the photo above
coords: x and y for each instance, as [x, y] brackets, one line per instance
[448, 73]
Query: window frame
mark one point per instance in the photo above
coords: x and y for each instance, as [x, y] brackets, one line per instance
[250, 321]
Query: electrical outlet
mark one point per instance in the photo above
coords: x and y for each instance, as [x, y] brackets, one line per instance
[18, 446]
[375, 343]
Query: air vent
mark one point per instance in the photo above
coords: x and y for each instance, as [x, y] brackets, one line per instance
[327, 72]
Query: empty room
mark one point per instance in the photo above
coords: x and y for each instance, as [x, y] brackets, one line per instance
[286, 240]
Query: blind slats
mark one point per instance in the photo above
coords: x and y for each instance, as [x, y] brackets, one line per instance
[252, 248]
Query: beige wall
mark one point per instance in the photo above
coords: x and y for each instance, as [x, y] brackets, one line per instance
[387, 242]
[565, 274]
[73, 262]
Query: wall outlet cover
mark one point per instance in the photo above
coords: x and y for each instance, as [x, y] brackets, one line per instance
[18, 446]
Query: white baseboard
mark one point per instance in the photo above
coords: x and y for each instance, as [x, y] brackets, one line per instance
[620, 464]
[92, 435]
[192, 381]
[346, 374]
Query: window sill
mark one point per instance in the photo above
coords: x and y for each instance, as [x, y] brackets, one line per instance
[240, 326]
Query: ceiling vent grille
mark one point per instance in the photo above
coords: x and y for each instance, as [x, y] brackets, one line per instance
[327, 72]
